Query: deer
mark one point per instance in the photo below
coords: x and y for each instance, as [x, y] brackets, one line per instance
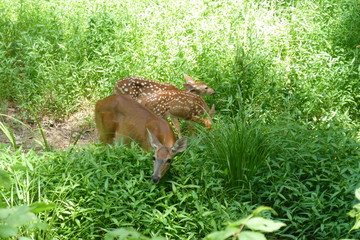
[138, 87]
[119, 117]
[179, 104]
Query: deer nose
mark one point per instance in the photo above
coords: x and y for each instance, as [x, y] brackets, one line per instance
[155, 179]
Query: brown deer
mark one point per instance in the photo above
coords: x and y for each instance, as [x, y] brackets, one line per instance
[138, 87]
[179, 104]
[120, 117]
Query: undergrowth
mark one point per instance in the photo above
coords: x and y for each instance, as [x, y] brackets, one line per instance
[290, 66]
[309, 179]
[98, 188]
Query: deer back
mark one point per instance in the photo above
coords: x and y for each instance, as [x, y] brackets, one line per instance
[178, 104]
[138, 87]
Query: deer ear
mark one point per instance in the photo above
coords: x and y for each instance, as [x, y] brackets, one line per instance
[188, 86]
[154, 141]
[188, 79]
[179, 146]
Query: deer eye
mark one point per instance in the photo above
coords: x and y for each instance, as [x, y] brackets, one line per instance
[168, 161]
[154, 158]
[206, 87]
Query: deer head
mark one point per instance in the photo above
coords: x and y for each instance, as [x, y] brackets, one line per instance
[163, 155]
[198, 88]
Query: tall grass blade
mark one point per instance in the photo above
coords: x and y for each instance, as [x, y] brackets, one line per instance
[9, 134]
[46, 143]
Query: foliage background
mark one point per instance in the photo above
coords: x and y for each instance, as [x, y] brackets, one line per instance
[291, 66]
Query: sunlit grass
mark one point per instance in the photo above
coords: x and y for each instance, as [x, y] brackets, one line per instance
[281, 53]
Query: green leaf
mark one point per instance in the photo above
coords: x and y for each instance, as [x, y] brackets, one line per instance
[41, 207]
[5, 180]
[240, 222]
[158, 238]
[264, 225]
[8, 231]
[356, 225]
[247, 235]
[220, 235]
[260, 209]
[123, 233]
[5, 213]
[216, 235]
[357, 207]
[24, 238]
[357, 194]
[9, 134]
[40, 225]
[21, 216]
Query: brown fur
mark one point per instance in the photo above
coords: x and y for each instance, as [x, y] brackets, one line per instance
[120, 117]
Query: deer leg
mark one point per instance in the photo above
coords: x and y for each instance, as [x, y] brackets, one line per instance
[177, 126]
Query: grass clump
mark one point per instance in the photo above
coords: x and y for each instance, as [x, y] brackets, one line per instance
[238, 147]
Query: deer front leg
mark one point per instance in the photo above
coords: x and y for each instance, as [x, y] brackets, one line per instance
[176, 123]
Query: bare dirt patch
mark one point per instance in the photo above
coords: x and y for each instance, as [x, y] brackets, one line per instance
[78, 128]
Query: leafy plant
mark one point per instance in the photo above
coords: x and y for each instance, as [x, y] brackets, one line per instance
[308, 169]
[128, 234]
[11, 219]
[14, 218]
[355, 213]
[237, 230]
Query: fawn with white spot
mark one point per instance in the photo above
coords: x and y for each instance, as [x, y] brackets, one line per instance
[120, 117]
[167, 100]
[179, 104]
[138, 87]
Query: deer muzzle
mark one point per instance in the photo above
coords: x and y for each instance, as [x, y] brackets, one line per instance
[160, 168]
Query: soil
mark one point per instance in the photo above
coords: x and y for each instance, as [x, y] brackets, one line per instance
[78, 128]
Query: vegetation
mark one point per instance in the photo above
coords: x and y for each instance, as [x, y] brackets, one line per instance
[287, 76]
[240, 149]
[355, 212]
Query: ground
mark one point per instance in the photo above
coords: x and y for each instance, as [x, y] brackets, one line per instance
[78, 128]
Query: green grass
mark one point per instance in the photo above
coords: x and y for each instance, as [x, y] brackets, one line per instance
[240, 148]
[100, 188]
[291, 67]
[286, 56]
[312, 176]
[309, 183]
